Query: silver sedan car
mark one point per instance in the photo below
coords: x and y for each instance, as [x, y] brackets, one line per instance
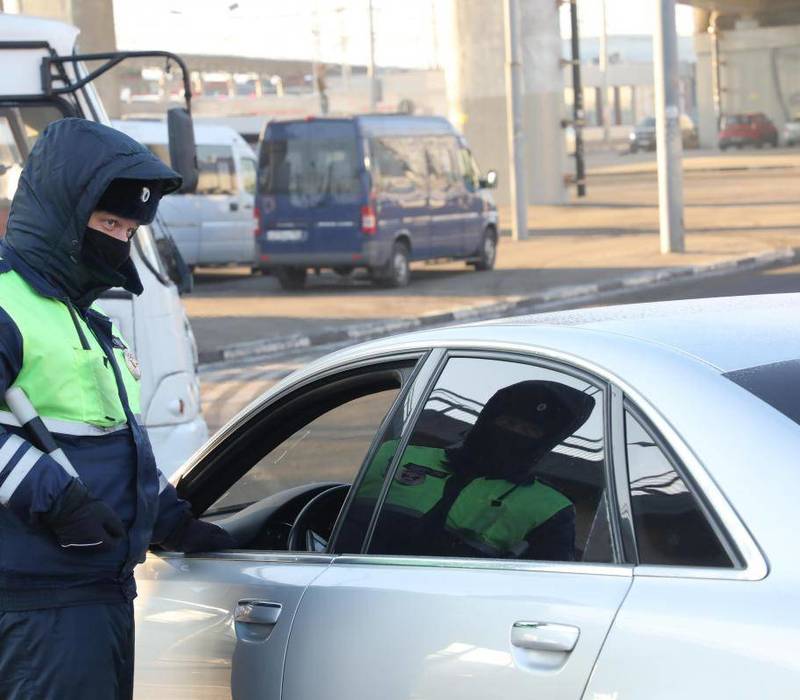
[597, 504]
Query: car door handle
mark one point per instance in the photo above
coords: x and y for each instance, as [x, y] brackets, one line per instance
[544, 636]
[257, 612]
[234, 206]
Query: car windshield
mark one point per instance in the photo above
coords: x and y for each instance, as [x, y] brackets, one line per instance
[734, 120]
[775, 383]
[314, 163]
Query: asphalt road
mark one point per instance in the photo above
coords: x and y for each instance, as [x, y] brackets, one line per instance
[226, 390]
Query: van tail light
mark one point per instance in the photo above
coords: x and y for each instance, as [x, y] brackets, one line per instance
[369, 218]
[257, 219]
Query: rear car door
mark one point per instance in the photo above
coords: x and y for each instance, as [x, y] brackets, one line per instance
[437, 596]
[217, 625]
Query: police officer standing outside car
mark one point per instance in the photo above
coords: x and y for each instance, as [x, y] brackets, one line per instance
[69, 543]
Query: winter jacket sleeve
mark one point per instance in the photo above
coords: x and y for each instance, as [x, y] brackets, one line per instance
[173, 511]
[30, 480]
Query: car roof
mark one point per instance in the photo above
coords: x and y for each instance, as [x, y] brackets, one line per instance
[155, 132]
[722, 334]
[726, 332]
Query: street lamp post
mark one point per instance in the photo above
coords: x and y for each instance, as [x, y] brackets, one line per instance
[373, 87]
[516, 138]
[668, 132]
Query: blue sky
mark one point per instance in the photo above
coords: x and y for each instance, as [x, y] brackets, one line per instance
[404, 29]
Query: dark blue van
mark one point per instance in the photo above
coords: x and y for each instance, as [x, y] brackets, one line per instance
[372, 192]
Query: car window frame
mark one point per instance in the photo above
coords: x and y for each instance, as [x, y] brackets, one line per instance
[421, 380]
[713, 519]
[198, 478]
[610, 469]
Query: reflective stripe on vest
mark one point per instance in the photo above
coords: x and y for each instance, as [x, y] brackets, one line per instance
[65, 427]
[64, 381]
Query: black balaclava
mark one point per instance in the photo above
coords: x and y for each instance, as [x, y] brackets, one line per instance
[548, 411]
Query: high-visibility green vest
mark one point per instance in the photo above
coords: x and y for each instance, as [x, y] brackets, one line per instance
[492, 514]
[64, 381]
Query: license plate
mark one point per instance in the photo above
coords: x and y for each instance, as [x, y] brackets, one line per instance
[286, 235]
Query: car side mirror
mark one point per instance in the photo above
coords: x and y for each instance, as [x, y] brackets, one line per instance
[490, 181]
[182, 150]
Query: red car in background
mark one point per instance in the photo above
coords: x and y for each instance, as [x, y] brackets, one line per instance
[747, 130]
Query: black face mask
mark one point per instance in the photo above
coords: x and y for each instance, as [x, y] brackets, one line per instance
[102, 252]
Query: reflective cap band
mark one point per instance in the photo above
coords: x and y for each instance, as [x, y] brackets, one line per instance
[65, 427]
[18, 473]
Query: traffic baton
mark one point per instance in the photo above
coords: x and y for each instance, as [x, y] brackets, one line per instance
[39, 435]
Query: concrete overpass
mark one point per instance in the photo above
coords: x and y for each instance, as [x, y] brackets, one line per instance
[748, 60]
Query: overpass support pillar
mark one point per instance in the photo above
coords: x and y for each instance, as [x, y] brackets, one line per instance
[477, 101]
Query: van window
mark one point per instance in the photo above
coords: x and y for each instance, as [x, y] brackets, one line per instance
[313, 163]
[441, 162]
[249, 175]
[399, 164]
[217, 171]
[470, 173]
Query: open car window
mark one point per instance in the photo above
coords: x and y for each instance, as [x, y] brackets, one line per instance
[298, 455]
[329, 448]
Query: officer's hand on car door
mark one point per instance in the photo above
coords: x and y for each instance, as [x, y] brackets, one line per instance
[78, 520]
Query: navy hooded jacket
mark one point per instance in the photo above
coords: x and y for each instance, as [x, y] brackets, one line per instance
[69, 168]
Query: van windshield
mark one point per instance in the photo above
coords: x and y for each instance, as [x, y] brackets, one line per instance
[313, 163]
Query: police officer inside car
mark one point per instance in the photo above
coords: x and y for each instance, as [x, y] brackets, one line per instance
[68, 545]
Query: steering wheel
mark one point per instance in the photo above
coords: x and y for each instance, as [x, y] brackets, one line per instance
[302, 537]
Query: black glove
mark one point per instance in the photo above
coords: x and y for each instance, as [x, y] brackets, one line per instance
[83, 522]
[193, 535]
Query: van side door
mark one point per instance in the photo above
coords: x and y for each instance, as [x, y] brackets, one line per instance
[446, 197]
[217, 199]
[473, 203]
[249, 174]
[401, 175]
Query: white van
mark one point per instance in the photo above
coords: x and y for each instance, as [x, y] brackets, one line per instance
[155, 322]
[214, 225]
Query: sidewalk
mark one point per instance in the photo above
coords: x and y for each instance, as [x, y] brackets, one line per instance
[606, 242]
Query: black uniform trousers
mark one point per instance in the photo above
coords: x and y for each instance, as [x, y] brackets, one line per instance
[81, 652]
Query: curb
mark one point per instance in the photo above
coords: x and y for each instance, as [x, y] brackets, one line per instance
[548, 299]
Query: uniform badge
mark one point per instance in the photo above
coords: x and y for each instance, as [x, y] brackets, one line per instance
[145, 196]
[133, 365]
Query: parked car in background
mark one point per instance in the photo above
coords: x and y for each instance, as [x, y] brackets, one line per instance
[643, 136]
[742, 130]
[571, 505]
[372, 192]
[213, 225]
[791, 132]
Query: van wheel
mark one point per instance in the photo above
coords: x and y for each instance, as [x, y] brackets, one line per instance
[397, 271]
[487, 254]
[291, 278]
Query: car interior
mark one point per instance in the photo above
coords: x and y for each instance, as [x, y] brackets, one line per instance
[298, 517]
